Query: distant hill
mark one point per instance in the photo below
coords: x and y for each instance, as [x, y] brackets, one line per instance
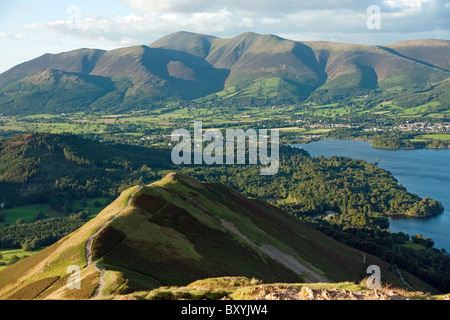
[179, 230]
[247, 69]
[57, 169]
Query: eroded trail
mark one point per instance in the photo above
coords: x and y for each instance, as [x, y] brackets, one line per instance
[287, 260]
[90, 241]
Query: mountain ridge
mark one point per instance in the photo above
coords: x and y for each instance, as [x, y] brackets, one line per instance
[248, 68]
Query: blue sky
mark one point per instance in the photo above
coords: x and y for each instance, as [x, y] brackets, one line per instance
[30, 28]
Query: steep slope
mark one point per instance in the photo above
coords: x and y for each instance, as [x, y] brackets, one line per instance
[369, 67]
[249, 68]
[432, 52]
[76, 61]
[50, 90]
[179, 230]
[157, 73]
[133, 76]
[290, 66]
[193, 43]
[265, 67]
[45, 274]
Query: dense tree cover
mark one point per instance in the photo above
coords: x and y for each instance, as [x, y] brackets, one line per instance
[392, 142]
[30, 236]
[358, 192]
[427, 263]
[388, 139]
[57, 169]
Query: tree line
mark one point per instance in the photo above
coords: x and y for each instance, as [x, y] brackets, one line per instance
[358, 192]
[44, 232]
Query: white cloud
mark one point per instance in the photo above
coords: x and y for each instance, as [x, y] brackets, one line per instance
[405, 4]
[140, 28]
[167, 5]
[152, 19]
[271, 20]
[201, 22]
[338, 20]
[266, 6]
[13, 35]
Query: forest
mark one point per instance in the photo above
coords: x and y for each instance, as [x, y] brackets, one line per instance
[358, 192]
[422, 260]
[40, 233]
[393, 140]
[57, 169]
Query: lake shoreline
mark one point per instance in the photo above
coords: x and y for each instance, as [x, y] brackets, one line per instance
[421, 171]
[369, 140]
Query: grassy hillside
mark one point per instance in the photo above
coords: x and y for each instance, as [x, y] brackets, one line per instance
[177, 231]
[242, 288]
[44, 274]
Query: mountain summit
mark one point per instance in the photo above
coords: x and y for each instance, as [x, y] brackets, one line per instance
[249, 68]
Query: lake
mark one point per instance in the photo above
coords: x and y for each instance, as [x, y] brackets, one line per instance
[424, 172]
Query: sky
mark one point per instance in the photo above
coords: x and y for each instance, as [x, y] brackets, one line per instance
[30, 28]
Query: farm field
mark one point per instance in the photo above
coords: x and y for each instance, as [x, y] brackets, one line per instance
[28, 213]
[7, 254]
[436, 136]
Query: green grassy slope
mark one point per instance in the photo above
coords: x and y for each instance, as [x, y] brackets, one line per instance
[178, 230]
[44, 274]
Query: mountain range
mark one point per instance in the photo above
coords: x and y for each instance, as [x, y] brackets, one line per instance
[178, 230]
[246, 69]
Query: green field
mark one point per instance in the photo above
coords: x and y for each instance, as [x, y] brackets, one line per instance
[152, 127]
[443, 136]
[420, 109]
[7, 254]
[28, 213]
[412, 245]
